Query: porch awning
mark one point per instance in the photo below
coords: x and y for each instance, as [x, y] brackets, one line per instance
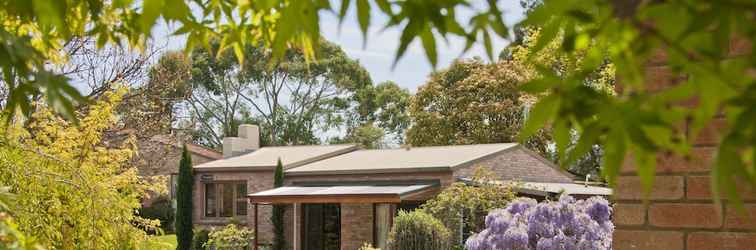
[340, 194]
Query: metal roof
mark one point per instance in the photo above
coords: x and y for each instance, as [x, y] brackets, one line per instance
[543, 188]
[267, 157]
[566, 188]
[403, 159]
[336, 194]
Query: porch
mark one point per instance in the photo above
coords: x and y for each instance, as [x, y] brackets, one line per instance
[341, 215]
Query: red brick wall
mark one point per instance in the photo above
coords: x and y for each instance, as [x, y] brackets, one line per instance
[356, 219]
[679, 213]
[518, 164]
[356, 225]
[256, 181]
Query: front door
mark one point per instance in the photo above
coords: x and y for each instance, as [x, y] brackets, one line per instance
[321, 226]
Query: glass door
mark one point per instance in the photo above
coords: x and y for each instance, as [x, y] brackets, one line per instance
[321, 227]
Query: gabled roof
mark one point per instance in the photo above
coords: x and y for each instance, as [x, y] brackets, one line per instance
[191, 147]
[267, 157]
[434, 158]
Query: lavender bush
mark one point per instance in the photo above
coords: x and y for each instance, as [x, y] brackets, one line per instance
[567, 224]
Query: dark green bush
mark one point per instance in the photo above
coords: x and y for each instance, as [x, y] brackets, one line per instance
[160, 210]
[184, 202]
[201, 236]
[417, 230]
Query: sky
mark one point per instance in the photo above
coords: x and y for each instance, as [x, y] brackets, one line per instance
[377, 54]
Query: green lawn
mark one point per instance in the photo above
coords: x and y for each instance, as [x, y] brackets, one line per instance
[160, 242]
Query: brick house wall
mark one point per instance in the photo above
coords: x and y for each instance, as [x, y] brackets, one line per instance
[356, 219]
[356, 225]
[680, 213]
[256, 181]
[519, 164]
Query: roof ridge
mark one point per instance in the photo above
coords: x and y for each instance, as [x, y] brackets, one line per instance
[441, 146]
[310, 145]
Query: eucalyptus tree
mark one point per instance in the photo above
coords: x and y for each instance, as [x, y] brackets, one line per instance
[292, 99]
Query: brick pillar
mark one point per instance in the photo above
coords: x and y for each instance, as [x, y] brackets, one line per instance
[356, 225]
[680, 213]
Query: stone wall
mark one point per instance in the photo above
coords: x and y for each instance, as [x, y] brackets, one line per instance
[680, 213]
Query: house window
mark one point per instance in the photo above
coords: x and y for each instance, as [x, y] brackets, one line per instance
[225, 199]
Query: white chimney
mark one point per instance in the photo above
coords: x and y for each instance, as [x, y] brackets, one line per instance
[248, 141]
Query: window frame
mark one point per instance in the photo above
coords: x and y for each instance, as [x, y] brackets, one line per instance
[219, 200]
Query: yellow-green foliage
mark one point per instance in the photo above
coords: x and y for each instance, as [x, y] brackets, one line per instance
[417, 230]
[473, 202]
[230, 237]
[368, 246]
[549, 57]
[71, 190]
[471, 102]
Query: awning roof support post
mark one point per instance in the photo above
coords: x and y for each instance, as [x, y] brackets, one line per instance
[257, 242]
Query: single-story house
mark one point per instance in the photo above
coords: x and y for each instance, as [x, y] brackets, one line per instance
[340, 196]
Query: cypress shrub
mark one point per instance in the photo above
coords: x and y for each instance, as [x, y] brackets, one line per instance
[279, 240]
[183, 225]
[417, 230]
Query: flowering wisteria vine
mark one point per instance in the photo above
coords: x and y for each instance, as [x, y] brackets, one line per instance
[566, 224]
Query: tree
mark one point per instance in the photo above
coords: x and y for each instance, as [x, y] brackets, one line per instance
[184, 225]
[368, 136]
[602, 80]
[151, 108]
[69, 188]
[277, 216]
[694, 37]
[291, 99]
[472, 102]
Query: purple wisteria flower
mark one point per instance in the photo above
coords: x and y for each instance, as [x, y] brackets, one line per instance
[567, 224]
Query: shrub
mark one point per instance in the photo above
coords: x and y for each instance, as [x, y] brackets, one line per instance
[161, 210]
[277, 215]
[230, 237]
[566, 224]
[417, 230]
[201, 236]
[368, 246]
[468, 204]
[184, 202]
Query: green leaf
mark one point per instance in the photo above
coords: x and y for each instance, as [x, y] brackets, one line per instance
[614, 154]
[539, 85]
[562, 137]
[580, 15]
[588, 138]
[547, 34]
[345, 4]
[429, 44]
[646, 165]
[408, 35]
[52, 13]
[151, 10]
[363, 17]
[488, 44]
[541, 113]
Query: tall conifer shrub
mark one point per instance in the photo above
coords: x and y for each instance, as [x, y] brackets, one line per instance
[279, 240]
[184, 232]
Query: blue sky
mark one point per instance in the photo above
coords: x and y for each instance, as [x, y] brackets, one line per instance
[378, 53]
